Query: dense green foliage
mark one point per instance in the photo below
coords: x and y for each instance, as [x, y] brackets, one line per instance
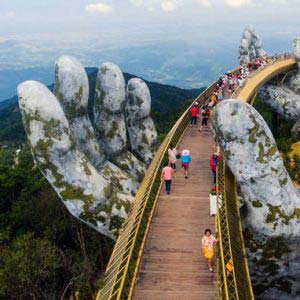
[44, 251]
[11, 128]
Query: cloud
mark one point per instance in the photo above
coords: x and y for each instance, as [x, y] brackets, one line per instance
[282, 2]
[206, 3]
[137, 3]
[10, 14]
[100, 8]
[168, 5]
[237, 3]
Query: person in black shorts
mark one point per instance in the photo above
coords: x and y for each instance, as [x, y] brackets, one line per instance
[205, 117]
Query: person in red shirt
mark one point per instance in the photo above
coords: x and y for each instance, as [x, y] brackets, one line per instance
[194, 111]
[213, 165]
[166, 174]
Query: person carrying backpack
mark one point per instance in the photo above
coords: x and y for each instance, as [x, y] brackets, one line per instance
[205, 117]
[172, 153]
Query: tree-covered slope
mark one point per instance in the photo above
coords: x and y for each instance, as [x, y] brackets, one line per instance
[44, 251]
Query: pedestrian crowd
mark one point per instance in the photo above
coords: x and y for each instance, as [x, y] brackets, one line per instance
[225, 87]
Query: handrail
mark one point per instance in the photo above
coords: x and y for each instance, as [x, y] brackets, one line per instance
[123, 266]
[124, 262]
[233, 273]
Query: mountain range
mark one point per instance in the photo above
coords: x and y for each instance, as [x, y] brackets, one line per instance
[167, 104]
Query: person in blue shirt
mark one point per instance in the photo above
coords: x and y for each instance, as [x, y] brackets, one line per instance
[185, 161]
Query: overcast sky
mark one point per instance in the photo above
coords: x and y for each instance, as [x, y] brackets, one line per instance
[136, 21]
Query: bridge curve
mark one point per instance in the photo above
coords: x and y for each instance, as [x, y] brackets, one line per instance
[150, 207]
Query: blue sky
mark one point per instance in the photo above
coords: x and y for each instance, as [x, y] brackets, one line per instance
[136, 21]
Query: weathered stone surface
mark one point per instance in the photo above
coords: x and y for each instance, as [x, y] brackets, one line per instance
[250, 46]
[127, 162]
[96, 186]
[72, 90]
[87, 195]
[294, 84]
[285, 101]
[108, 109]
[273, 204]
[296, 48]
[140, 126]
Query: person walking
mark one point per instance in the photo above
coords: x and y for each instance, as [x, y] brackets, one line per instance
[213, 162]
[172, 153]
[194, 111]
[166, 174]
[208, 241]
[185, 161]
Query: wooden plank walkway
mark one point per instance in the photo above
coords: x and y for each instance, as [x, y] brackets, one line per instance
[172, 265]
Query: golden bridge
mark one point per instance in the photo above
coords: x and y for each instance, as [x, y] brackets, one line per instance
[158, 252]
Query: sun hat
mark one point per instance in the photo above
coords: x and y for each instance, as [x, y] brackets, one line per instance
[185, 152]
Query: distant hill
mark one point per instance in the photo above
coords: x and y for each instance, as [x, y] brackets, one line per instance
[167, 104]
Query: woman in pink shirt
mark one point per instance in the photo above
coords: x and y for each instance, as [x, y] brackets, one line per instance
[166, 174]
[208, 242]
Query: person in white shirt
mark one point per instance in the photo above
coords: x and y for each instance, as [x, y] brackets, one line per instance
[172, 153]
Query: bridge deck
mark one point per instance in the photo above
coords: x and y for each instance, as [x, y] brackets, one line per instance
[172, 265]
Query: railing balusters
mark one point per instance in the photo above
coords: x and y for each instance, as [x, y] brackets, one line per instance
[232, 268]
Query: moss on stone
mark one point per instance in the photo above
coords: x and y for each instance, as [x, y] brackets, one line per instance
[142, 126]
[254, 130]
[271, 269]
[257, 203]
[145, 139]
[275, 247]
[90, 217]
[227, 154]
[78, 95]
[261, 154]
[139, 101]
[72, 192]
[275, 212]
[86, 168]
[90, 135]
[283, 181]
[99, 98]
[112, 132]
[107, 192]
[52, 128]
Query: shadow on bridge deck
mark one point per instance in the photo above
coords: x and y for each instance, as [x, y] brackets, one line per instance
[172, 265]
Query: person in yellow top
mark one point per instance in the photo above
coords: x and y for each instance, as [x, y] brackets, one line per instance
[208, 241]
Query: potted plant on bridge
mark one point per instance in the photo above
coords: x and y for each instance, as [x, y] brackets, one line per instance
[213, 201]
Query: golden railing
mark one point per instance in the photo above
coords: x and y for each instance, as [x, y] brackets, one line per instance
[234, 280]
[124, 262]
[233, 274]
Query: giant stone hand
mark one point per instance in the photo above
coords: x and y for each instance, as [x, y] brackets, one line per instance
[89, 163]
[250, 46]
[285, 98]
[273, 203]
